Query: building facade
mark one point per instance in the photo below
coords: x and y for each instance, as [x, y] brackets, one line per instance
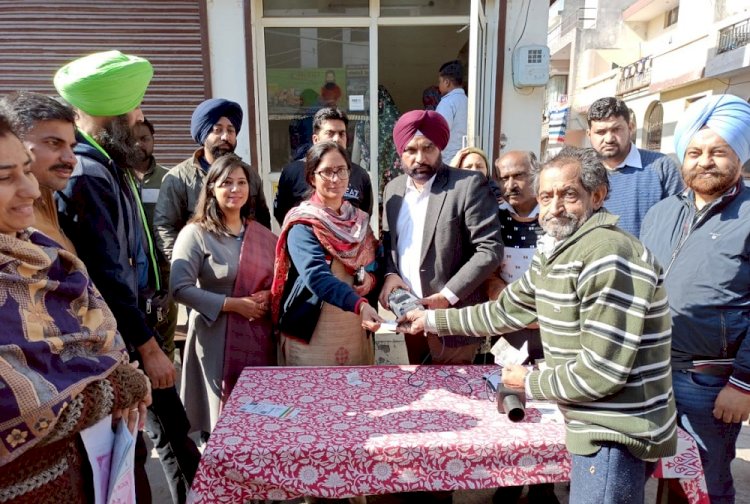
[658, 56]
[283, 59]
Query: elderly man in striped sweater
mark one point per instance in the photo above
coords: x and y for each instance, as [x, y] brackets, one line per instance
[596, 293]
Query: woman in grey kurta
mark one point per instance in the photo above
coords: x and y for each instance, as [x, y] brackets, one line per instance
[204, 277]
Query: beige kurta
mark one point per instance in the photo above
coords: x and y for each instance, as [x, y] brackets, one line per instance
[338, 339]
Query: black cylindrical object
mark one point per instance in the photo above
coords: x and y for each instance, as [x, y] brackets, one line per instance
[512, 402]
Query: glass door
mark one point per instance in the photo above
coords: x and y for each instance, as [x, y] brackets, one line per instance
[374, 59]
[306, 69]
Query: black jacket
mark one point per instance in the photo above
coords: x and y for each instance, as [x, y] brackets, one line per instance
[707, 276]
[99, 214]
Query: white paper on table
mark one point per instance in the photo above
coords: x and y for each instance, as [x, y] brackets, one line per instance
[98, 441]
[390, 349]
[550, 411]
[122, 477]
[505, 353]
[281, 411]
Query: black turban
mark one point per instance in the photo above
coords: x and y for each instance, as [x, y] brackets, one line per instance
[209, 112]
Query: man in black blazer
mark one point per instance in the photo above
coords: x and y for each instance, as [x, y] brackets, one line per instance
[441, 232]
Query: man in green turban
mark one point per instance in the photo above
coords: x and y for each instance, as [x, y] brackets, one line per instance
[102, 213]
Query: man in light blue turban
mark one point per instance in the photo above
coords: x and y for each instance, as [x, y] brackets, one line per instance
[727, 115]
[702, 239]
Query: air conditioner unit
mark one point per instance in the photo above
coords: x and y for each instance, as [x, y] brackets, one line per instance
[531, 66]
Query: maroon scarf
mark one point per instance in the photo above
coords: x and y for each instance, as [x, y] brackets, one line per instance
[250, 343]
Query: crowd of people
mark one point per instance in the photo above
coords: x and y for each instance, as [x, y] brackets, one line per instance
[626, 272]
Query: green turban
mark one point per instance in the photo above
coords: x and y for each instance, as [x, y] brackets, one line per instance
[104, 84]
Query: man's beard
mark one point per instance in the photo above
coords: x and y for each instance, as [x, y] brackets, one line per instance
[118, 140]
[220, 149]
[561, 227]
[142, 156]
[719, 183]
[422, 172]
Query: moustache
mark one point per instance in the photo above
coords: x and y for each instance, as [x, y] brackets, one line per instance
[564, 217]
[63, 166]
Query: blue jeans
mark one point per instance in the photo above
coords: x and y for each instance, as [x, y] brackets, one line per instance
[695, 395]
[612, 475]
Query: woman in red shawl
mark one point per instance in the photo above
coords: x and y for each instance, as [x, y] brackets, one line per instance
[324, 267]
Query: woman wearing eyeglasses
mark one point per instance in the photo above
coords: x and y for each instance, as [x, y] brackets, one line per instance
[222, 267]
[325, 259]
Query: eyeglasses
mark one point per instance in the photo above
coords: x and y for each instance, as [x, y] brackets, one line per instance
[341, 173]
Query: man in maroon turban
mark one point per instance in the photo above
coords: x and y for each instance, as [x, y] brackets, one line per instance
[441, 233]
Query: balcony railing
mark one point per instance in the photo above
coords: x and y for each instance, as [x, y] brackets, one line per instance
[734, 36]
[634, 76]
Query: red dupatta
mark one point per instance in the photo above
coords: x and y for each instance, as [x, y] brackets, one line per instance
[250, 343]
[345, 236]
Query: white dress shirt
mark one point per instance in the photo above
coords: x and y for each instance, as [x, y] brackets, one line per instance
[632, 159]
[410, 232]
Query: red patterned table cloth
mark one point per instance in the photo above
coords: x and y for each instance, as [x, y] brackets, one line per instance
[385, 429]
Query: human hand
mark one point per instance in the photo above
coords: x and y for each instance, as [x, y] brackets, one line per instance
[514, 376]
[391, 282]
[366, 286]
[495, 286]
[135, 412]
[731, 405]
[412, 322]
[247, 307]
[135, 416]
[370, 318]
[157, 365]
[435, 301]
[264, 299]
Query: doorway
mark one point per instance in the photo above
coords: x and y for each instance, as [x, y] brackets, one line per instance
[409, 58]
[387, 49]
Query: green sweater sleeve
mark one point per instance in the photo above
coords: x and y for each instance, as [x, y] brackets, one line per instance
[513, 310]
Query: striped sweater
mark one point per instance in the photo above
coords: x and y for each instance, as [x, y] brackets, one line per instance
[605, 326]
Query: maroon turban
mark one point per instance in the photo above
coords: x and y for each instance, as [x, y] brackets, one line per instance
[428, 122]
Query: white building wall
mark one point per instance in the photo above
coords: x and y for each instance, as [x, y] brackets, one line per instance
[521, 119]
[226, 45]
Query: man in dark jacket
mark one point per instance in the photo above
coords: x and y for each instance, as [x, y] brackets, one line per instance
[702, 239]
[214, 126]
[102, 214]
[441, 233]
[329, 124]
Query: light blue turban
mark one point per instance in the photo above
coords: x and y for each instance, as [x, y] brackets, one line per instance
[727, 115]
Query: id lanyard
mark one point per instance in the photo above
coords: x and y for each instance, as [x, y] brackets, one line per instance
[141, 211]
